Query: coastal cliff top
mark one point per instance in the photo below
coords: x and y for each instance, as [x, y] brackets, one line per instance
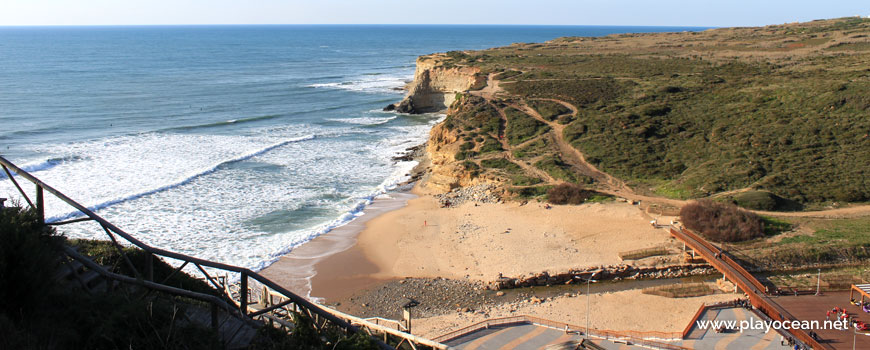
[777, 113]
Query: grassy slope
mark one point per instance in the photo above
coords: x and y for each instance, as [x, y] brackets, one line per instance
[779, 108]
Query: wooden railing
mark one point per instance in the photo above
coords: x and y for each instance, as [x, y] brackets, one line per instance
[701, 310]
[242, 299]
[657, 340]
[744, 280]
[694, 319]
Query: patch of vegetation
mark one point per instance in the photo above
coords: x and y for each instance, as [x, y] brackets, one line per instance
[837, 233]
[533, 149]
[680, 290]
[558, 169]
[525, 180]
[40, 312]
[707, 112]
[568, 194]
[577, 91]
[721, 222]
[549, 110]
[490, 145]
[507, 74]
[521, 127]
[672, 190]
[501, 163]
[307, 336]
[530, 192]
[855, 46]
[774, 226]
[644, 253]
[763, 200]
[474, 114]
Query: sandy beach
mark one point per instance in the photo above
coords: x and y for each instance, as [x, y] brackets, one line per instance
[296, 270]
[451, 253]
[628, 310]
[479, 241]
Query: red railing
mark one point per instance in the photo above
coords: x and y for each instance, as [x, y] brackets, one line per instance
[693, 320]
[748, 283]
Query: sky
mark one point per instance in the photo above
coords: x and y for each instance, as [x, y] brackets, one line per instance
[707, 13]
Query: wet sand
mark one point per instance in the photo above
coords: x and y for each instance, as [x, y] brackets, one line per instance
[348, 269]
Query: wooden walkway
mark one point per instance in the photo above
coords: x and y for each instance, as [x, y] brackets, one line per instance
[744, 280]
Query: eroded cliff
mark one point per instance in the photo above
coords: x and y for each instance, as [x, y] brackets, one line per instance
[435, 85]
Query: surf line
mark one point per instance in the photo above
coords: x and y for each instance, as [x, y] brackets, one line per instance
[181, 182]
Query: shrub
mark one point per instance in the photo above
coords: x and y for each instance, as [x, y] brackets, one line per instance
[523, 180]
[549, 109]
[491, 145]
[522, 127]
[756, 200]
[531, 192]
[29, 257]
[568, 194]
[501, 163]
[721, 222]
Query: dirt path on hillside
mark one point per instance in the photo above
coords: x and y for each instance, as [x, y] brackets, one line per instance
[508, 149]
[610, 184]
[490, 90]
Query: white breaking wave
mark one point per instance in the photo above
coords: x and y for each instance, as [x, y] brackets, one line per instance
[364, 120]
[243, 200]
[369, 83]
[180, 182]
[400, 174]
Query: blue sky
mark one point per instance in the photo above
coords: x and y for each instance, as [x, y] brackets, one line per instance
[572, 12]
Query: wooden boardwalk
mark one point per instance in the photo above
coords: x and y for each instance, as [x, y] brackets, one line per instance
[744, 280]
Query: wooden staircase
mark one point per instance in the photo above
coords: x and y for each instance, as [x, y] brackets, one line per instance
[234, 331]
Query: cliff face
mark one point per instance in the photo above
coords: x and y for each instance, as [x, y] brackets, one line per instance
[445, 171]
[435, 85]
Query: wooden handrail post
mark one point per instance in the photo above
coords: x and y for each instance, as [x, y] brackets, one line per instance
[214, 316]
[40, 204]
[243, 294]
[149, 267]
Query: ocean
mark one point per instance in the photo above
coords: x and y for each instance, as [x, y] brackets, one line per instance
[229, 143]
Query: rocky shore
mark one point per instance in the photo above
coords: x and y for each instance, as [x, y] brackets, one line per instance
[440, 296]
[610, 272]
[437, 296]
[483, 193]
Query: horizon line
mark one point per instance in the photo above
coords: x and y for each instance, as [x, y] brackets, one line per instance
[359, 24]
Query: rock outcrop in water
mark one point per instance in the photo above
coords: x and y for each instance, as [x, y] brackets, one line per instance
[435, 86]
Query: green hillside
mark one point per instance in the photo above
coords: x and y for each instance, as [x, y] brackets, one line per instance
[784, 109]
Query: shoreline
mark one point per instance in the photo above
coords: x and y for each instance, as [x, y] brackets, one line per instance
[297, 269]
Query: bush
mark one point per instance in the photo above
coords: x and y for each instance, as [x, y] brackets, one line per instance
[501, 163]
[568, 194]
[721, 222]
[491, 145]
[29, 258]
[40, 312]
[549, 110]
[531, 192]
[756, 200]
[522, 127]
